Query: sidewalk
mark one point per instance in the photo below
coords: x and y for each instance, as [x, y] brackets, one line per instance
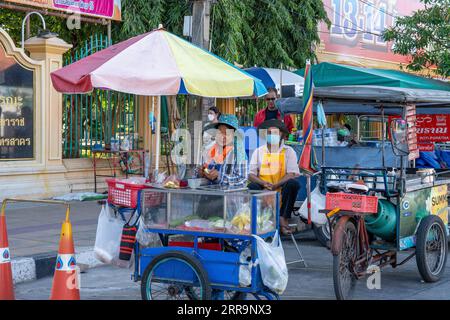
[34, 233]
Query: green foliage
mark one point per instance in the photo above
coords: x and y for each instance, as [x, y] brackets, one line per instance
[266, 33]
[425, 36]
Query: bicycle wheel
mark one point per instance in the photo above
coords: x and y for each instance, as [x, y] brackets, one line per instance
[175, 276]
[431, 248]
[343, 277]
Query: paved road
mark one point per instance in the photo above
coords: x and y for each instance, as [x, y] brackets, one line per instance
[35, 228]
[314, 282]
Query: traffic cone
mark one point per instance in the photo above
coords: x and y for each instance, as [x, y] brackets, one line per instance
[65, 281]
[6, 280]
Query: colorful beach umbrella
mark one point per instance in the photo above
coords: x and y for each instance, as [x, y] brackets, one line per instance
[286, 82]
[307, 159]
[156, 64]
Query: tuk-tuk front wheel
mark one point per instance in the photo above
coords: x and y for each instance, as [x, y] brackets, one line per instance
[431, 248]
[343, 260]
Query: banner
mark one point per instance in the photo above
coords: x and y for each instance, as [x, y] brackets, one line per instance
[108, 9]
[357, 27]
[433, 128]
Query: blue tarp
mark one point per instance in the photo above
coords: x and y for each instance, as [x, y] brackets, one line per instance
[438, 159]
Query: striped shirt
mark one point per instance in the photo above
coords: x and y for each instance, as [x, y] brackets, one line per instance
[230, 173]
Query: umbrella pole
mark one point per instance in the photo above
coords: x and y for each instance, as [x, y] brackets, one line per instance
[158, 135]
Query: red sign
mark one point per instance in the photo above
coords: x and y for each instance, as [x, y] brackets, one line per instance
[430, 129]
[357, 26]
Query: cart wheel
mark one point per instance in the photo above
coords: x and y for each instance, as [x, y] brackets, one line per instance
[266, 295]
[431, 248]
[343, 277]
[161, 279]
[217, 295]
[322, 234]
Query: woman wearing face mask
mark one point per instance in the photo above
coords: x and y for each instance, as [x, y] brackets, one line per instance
[209, 132]
[274, 167]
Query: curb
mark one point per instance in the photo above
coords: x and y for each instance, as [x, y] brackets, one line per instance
[43, 265]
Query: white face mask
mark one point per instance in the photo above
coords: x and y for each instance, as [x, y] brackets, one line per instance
[211, 117]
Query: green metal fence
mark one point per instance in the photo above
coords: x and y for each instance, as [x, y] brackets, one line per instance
[92, 120]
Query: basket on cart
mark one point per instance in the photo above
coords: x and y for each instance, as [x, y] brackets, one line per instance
[122, 193]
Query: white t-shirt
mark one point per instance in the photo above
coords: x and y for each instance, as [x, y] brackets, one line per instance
[290, 159]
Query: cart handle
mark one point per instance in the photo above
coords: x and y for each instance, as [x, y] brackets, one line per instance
[333, 212]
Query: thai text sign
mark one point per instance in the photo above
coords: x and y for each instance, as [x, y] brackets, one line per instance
[109, 9]
[430, 129]
[16, 110]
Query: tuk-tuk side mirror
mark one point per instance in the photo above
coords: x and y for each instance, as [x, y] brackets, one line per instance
[399, 137]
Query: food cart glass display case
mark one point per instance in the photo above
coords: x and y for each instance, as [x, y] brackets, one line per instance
[216, 211]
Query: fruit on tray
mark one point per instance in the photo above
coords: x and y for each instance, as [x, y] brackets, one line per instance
[171, 185]
[241, 220]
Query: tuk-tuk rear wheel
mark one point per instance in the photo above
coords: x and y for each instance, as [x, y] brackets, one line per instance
[431, 248]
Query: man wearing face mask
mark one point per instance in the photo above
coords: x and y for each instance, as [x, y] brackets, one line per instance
[271, 112]
[274, 167]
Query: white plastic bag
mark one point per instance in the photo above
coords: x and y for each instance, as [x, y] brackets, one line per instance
[147, 239]
[317, 203]
[107, 240]
[272, 263]
[245, 268]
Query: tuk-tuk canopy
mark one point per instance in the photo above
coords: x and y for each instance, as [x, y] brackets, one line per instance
[327, 74]
[337, 81]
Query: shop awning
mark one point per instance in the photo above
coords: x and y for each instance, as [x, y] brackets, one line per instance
[332, 75]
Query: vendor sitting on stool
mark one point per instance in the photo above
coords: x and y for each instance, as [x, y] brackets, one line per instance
[226, 162]
[274, 167]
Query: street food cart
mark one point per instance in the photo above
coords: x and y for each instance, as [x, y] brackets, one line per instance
[208, 249]
[207, 253]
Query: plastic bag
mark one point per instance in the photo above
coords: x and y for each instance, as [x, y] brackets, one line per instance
[147, 239]
[272, 263]
[317, 203]
[107, 240]
[245, 268]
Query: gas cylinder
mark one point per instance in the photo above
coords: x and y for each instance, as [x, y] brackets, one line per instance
[383, 224]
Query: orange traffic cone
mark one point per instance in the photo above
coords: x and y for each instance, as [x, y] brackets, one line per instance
[65, 282]
[6, 280]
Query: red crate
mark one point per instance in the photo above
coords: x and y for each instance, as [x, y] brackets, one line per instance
[352, 202]
[201, 245]
[124, 194]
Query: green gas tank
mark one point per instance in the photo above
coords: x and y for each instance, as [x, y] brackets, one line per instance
[383, 224]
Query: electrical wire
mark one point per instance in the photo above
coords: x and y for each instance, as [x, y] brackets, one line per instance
[379, 9]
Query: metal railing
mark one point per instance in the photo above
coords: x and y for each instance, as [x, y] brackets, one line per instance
[91, 120]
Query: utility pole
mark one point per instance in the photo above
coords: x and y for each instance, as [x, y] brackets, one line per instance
[201, 11]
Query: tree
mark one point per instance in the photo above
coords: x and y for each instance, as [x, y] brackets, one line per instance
[425, 36]
[267, 33]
